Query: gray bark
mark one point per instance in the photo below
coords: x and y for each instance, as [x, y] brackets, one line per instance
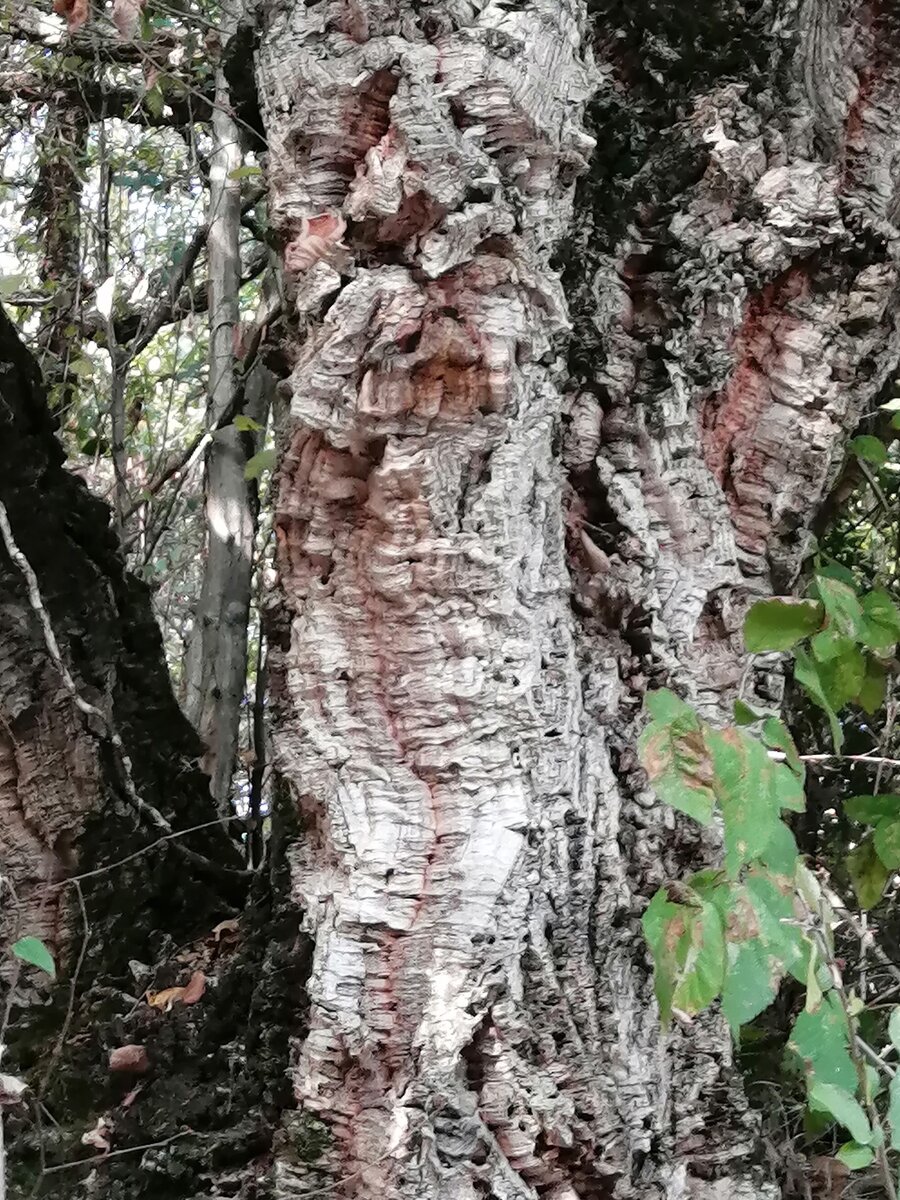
[488, 550]
[216, 665]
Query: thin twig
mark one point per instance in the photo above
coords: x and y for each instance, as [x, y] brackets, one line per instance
[100, 1158]
[73, 985]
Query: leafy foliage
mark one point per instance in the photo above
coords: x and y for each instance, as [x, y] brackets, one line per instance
[733, 933]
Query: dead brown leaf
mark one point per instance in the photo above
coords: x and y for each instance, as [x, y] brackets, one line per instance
[100, 1137]
[75, 11]
[129, 1058]
[223, 927]
[195, 988]
[126, 15]
[130, 1098]
[165, 999]
[189, 994]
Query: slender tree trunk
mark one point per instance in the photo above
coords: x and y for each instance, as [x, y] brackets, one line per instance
[490, 544]
[216, 668]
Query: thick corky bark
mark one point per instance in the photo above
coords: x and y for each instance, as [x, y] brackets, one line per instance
[487, 551]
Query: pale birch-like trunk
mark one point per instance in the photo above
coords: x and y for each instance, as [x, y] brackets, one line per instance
[216, 664]
[489, 547]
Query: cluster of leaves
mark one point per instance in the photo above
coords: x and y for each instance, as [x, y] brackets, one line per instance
[734, 932]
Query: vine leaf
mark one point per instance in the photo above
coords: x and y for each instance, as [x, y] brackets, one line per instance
[881, 620]
[894, 1112]
[819, 1040]
[868, 874]
[781, 623]
[32, 950]
[842, 605]
[854, 1156]
[675, 757]
[807, 675]
[688, 946]
[844, 1107]
[870, 448]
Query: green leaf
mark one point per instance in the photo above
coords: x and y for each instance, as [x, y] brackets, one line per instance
[245, 424]
[32, 950]
[854, 1156]
[664, 706]
[751, 789]
[781, 854]
[870, 696]
[9, 285]
[781, 623]
[751, 980]
[264, 461]
[894, 1112]
[894, 1028]
[244, 172]
[776, 737]
[881, 620]
[82, 367]
[772, 898]
[807, 675]
[674, 755]
[844, 1107]
[871, 809]
[841, 604]
[895, 421]
[870, 448]
[154, 101]
[868, 874]
[887, 842]
[688, 946]
[819, 1040]
[745, 715]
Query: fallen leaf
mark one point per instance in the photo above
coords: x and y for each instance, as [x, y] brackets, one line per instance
[130, 1098]
[100, 1137]
[126, 15]
[165, 999]
[195, 988]
[129, 1058]
[75, 11]
[229, 926]
[12, 1089]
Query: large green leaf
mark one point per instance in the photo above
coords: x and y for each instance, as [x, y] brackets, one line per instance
[806, 673]
[871, 809]
[751, 980]
[844, 1107]
[688, 946]
[819, 1040]
[870, 448]
[881, 620]
[780, 623]
[894, 1112]
[772, 898]
[887, 842]
[868, 874]
[32, 950]
[750, 789]
[841, 604]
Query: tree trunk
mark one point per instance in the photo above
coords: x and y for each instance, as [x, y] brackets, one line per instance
[491, 541]
[216, 666]
[68, 778]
